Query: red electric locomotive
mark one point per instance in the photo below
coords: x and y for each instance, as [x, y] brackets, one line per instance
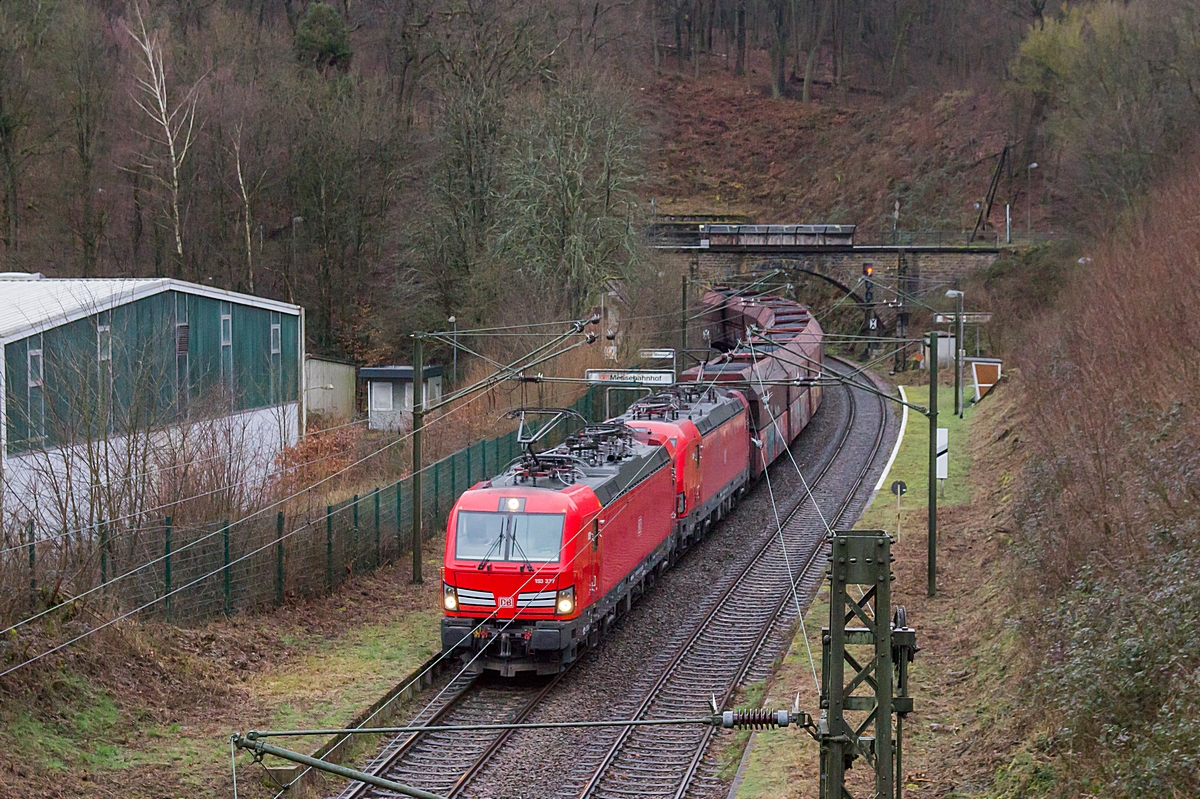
[541, 559]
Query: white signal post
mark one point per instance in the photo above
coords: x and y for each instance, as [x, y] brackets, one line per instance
[943, 456]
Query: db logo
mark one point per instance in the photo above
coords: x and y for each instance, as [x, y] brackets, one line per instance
[506, 602]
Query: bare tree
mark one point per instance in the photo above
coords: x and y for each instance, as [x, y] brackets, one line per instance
[570, 172]
[174, 122]
[245, 190]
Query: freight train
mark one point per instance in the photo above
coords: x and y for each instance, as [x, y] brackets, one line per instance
[542, 559]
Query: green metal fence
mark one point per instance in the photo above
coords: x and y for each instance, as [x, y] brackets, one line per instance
[187, 574]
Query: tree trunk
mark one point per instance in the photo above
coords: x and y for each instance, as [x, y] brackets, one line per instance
[839, 39]
[779, 19]
[679, 37]
[87, 222]
[654, 32]
[902, 27]
[741, 38]
[8, 164]
[826, 13]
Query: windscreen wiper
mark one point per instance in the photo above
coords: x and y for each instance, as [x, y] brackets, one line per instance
[488, 555]
[523, 555]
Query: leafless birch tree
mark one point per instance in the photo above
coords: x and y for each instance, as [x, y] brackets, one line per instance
[174, 124]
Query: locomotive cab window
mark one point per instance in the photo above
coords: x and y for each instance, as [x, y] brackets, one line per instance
[510, 537]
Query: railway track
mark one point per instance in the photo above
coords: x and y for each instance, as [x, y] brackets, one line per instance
[663, 761]
[723, 648]
[443, 762]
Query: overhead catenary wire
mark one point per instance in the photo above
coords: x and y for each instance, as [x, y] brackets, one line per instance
[479, 625]
[536, 355]
[482, 393]
[175, 553]
[150, 603]
[74, 599]
[515, 617]
[175, 503]
[792, 579]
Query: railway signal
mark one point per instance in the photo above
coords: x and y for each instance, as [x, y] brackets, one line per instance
[870, 321]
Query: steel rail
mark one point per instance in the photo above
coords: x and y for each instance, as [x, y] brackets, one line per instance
[470, 689]
[804, 575]
[390, 758]
[732, 592]
[504, 735]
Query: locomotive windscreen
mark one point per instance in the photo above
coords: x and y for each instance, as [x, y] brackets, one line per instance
[518, 537]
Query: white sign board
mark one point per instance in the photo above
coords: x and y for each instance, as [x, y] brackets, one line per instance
[636, 377]
[943, 453]
[657, 355]
[969, 318]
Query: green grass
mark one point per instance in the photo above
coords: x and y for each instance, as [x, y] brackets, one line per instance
[752, 696]
[325, 688]
[79, 728]
[912, 465]
[79, 735]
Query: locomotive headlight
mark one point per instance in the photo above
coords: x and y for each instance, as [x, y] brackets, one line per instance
[449, 597]
[564, 604]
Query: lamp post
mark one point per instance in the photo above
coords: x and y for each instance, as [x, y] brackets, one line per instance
[292, 270]
[958, 353]
[418, 417]
[454, 368]
[1029, 190]
[932, 413]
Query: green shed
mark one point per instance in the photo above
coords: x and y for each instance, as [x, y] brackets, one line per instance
[97, 375]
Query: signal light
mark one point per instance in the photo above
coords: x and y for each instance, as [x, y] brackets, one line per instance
[868, 270]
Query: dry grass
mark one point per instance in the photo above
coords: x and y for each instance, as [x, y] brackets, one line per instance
[1108, 516]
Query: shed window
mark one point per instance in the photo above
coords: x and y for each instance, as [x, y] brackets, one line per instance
[35, 394]
[276, 358]
[381, 396]
[182, 334]
[227, 345]
[35, 366]
[104, 343]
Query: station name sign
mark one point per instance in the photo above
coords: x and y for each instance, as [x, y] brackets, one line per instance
[636, 377]
[969, 318]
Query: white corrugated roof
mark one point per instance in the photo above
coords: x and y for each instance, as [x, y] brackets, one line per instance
[29, 304]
